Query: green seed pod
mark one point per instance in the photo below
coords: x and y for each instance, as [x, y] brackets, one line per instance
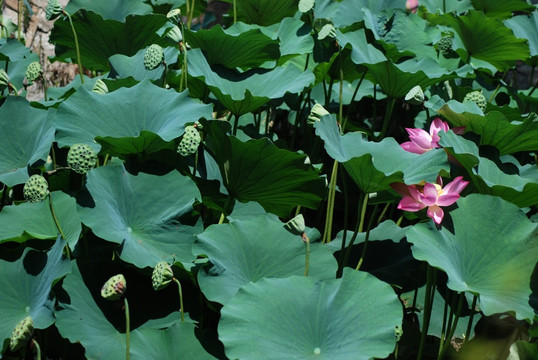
[415, 96]
[100, 87]
[4, 79]
[114, 288]
[296, 225]
[162, 275]
[174, 34]
[153, 57]
[33, 71]
[444, 45]
[21, 334]
[81, 158]
[327, 31]
[36, 188]
[306, 5]
[478, 98]
[316, 113]
[54, 9]
[190, 141]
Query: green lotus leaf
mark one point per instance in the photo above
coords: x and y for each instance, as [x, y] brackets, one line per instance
[485, 38]
[24, 140]
[349, 12]
[375, 165]
[502, 9]
[34, 220]
[125, 123]
[507, 135]
[492, 256]
[392, 28]
[257, 170]
[246, 50]
[295, 38]
[361, 51]
[264, 12]
[488, 178]
[14, 59]
[126, 66]
[526, 27]
[26, 286]
[100, 39]
[443, 6]
[82, 321]
[117, 10]
[245, 92]
[140, 213]
[248, 250]
[265, 320]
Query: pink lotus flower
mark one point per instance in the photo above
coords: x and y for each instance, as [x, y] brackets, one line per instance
[411, 5]
[421, 141]
[432, 196]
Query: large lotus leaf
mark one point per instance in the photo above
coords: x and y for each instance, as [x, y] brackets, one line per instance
[13, 50]
[375, 165]
[247, 250]
[526, 27]
[244, 92]
[492, 252]
[26, 285]
[349, 12]
[116, 10]
[495, 129]
[126, 66]
[127, 115]
[485, 38]
[14, 59]
[361, 51]
[397, 79]
[26, 137]
[520, 189]
[443, 6]
[100, 39]
[34, 220]
[245, 50]
[392, 29]
[304, 318]
[502, 9]
[82, 321]
[257, 170]
[264, 12]
[142, 214]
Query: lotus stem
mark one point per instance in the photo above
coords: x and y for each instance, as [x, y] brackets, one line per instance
[428, 302]
[235, 10]
[352, 241]
[19, 19]
[330, 204]
[80, 71]
[386, 119]
[366, 237]
[307, 255]
[446, 341]
[470, 323]
[127, 329]
[236, 124]
[37, 349]
[180, 299]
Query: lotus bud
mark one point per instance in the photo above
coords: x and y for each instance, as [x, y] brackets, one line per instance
[100, 87]
[306, 5]
[22, 333]
[4, 79]
[327, 31]
[296, 225]
[54, 9]
[316, 113]
[162, 275]
[415, 96]
[175, 35]
[114, 288]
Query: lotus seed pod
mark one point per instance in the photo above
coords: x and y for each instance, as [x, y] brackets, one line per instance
[173, 13]
[327, 31]
[33, 71]
[478, 98]
[306, 5]
[54, 9]
[4, 79]
[22, 333]
[316, 113]
[174, 34]
[100, 87]
[36, 188]
[162, 275]
[296, 225]
[190, 141]
[153, 57]
[444, 45]
[81, 158]
[415, 96]
[398, 332]
[114, 288]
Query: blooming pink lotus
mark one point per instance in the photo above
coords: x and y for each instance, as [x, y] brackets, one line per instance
[432, 196]
[421, 141]
[411, 5]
